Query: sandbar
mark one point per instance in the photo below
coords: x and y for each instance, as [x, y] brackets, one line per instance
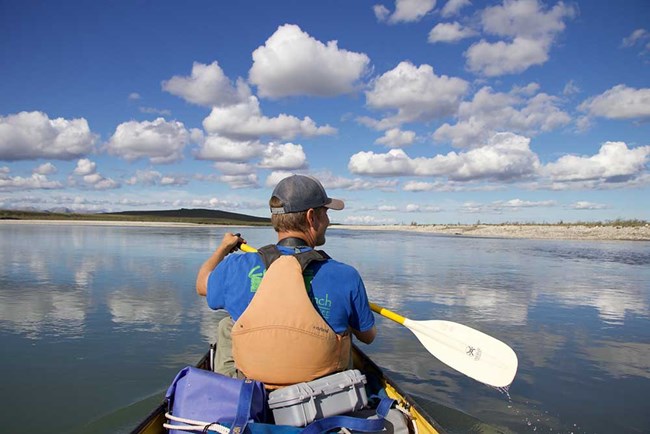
[529, 231]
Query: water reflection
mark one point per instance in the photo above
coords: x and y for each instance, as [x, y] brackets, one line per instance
[34, 312]
[576, 313]
[621, 359]
[149, 308]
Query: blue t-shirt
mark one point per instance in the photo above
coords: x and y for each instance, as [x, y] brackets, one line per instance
[336, 289]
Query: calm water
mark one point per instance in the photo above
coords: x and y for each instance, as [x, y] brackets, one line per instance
[96, 320]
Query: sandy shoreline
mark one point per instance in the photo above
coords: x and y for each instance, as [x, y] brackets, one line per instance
[549, 232]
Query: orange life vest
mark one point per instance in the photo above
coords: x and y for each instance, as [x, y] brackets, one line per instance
[281, 338]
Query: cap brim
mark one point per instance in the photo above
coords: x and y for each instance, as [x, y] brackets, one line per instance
[336, 204]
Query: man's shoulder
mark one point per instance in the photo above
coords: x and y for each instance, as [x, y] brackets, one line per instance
[340, 267]
[241, 260]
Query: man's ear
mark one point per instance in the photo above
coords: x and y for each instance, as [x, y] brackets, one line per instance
[312, 217]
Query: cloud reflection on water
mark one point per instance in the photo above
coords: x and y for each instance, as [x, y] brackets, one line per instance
[36, 312]
[149, 308]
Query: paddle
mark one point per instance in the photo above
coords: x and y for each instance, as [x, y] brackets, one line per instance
[469, 351]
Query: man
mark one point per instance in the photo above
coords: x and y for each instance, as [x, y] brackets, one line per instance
[275, 326]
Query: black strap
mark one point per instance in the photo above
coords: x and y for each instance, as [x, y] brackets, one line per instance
[292, 242]
[271, 252]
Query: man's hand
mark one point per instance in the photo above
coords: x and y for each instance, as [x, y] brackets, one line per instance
[229, 243]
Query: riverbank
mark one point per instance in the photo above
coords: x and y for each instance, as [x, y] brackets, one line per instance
[549, 232]
[530, 231]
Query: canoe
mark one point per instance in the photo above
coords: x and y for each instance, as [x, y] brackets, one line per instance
[420, 421]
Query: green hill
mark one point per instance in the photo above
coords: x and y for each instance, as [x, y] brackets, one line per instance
[195, 214]
[183, 215]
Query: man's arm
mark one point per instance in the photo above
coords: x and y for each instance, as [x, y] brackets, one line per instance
[229, 244]
[366, 337]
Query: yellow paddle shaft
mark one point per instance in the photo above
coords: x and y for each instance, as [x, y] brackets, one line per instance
[387, 313]
[246, 248]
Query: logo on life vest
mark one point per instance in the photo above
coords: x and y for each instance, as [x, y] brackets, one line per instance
[320, 329]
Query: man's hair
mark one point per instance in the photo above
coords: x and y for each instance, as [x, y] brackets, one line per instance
[294, 221]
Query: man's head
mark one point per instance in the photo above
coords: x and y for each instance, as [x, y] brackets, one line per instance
[299, 204]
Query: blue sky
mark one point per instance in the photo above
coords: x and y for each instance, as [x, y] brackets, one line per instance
[426, 111]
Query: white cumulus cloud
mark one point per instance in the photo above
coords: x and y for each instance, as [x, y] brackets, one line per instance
[381, 12]
[530, 32]
[173, 180]
[453, 7]
[450, 32]
[518, 203]
[240, 181]
[490, 111]
[106, 184]
[291, 62]
[619, 102]
[507, 156]
[35, 182]
[417, 93]
[396, 138]
[85, 167]
[45, 169]
[419, 186]
[245, 121]
[33, 135]
[99, 182]
[207, 86]
[153, 177]
[584, 205]
[500, 58]
[413, 207]
[160, 141]
[145, 177]
[217, 148]
[406, 11]
[613, 163]
[287, 156]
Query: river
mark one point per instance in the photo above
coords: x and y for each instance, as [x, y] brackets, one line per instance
[96, 320]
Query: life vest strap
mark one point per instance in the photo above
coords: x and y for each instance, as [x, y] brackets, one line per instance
[271, 252]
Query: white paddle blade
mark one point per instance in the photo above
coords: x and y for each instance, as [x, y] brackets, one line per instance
[468, 351]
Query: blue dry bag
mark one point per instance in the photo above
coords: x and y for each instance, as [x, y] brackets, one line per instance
[206, 396]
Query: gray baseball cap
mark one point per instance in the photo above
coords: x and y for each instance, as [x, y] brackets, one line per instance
[299, 193]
